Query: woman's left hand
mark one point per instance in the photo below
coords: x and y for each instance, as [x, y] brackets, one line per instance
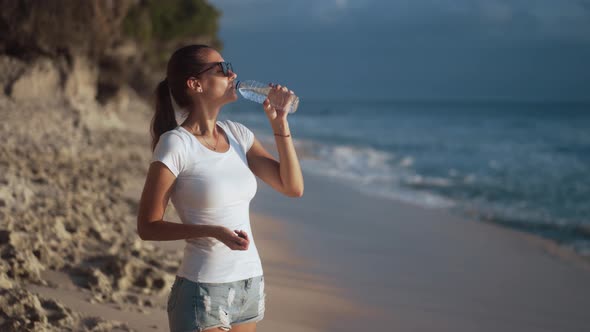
[275, 105]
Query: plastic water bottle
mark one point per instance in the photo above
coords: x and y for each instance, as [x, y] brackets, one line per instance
[256, 91]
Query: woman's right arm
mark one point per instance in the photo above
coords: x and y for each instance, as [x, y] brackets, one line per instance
[154, 200]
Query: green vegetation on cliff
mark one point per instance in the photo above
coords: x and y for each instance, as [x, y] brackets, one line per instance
[129, 41]
[160, 26]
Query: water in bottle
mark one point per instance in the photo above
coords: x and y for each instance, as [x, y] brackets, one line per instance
[256, 91]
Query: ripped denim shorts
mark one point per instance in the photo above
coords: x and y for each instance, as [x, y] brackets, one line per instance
[196, 306]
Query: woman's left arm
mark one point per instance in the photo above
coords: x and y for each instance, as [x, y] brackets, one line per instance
[284, 175]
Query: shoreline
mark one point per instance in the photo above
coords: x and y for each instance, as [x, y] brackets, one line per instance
[568, 235]
[414, 262]
[551, 244]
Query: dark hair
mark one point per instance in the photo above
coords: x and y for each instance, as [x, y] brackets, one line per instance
[184, 63]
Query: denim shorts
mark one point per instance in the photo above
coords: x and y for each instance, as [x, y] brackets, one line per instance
[196, 306]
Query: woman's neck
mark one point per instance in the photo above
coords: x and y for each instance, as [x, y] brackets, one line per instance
[202, 123]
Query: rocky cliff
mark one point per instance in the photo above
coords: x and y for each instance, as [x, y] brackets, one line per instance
[75, 139]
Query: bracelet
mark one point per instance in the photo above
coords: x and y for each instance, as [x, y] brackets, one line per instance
[289, 135]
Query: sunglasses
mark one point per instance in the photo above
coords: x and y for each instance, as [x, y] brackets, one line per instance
[225, 67]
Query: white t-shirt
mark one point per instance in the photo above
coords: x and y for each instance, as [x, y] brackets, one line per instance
[212, 188]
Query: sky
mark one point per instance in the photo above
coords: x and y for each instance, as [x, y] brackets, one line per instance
[523, 50]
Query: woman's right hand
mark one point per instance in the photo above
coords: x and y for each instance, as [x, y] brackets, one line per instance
[235, 240]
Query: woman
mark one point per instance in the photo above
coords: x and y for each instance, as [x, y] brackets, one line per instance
[207, 167]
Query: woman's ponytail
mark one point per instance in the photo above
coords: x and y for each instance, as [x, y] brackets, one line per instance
[164, 119]
[183, 64]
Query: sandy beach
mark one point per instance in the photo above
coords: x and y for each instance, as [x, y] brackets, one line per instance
[297, 299]
[427, 270]
[334, 260]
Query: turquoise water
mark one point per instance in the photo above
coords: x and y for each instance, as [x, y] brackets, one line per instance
[524, 165]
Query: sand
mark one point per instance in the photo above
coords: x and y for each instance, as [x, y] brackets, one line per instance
[72, 175]
[427, 270]
[296, 299]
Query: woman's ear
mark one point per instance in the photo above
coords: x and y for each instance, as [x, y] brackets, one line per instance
[194, 84]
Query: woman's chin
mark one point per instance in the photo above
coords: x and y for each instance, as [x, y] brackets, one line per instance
[230, 100]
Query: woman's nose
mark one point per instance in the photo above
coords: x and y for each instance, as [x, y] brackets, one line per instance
[233, 75]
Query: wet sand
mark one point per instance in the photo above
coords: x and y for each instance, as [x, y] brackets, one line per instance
[427, 270]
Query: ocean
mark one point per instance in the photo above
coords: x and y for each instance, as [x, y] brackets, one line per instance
[524, 165]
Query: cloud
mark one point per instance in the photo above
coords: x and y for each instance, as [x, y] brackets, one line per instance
[283, 12]
[328, 11]
[510, 19]
[497, 11]
[341, 3]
